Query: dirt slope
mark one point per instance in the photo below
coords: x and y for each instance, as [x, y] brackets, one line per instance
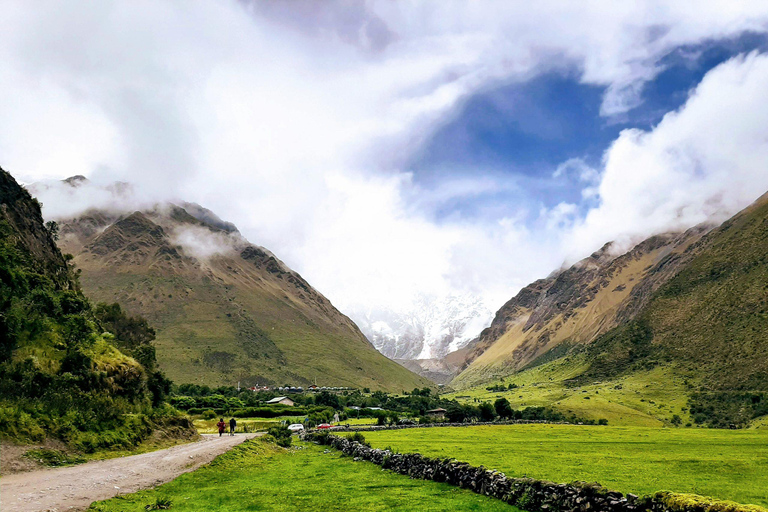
[76, 487]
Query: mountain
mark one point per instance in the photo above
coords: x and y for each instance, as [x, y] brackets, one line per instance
[574, 306]
[225, 310]
[429, 330]
[684, 313]
[65, 371]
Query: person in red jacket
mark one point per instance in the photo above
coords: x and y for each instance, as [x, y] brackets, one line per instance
[222, 426]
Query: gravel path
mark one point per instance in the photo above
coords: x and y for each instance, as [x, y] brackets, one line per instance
[76, 487]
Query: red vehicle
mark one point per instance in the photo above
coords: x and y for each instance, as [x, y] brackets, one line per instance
[324, 425]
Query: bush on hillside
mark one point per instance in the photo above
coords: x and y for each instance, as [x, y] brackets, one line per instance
[281, 435]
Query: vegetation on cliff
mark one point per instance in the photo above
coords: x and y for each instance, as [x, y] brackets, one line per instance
[62, 371]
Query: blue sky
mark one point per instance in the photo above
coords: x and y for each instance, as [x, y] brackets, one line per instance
[521, 132]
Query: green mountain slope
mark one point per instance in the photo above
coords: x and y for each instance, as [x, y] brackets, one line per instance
[226, 311]
[61, 373]
[710, 322]
[692, 335]
[573, 307]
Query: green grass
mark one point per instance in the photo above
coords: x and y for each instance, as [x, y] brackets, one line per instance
[259, 476]
[358, 421]
[718, 463]
[645, 399]
[253, 424]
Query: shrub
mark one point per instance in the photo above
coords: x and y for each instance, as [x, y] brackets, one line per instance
[281, 435]
[360, 438]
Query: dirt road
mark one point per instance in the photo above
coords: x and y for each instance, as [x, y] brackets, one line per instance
[76, 487]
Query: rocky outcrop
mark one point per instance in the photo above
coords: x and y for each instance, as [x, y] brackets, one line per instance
[525, 493]
[22, 213]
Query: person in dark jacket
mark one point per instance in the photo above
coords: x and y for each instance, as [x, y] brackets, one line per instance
[232, 425]
[222, 426]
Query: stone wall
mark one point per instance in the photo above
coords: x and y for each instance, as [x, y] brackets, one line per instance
[525, 493]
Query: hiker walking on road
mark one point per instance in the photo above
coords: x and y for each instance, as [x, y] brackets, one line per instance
[232, 425]
[222, 426]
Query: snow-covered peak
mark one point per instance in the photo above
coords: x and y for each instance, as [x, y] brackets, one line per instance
[429, 328]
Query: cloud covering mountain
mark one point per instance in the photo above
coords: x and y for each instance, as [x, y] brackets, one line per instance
[301, 124]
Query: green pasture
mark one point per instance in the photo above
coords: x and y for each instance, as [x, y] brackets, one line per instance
[646, 398]
[260, 476]
[358, 421]
[724, 464]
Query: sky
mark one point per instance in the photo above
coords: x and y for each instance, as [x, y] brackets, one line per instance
[388, 150]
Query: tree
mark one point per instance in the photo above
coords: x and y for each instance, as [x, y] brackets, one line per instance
[455, 413]
[131, 332]
[379, 397]
[328, 399]
[503, 408]
[53, 229]
[487, 412]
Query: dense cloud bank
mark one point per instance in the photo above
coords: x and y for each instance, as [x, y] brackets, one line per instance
[294, 121]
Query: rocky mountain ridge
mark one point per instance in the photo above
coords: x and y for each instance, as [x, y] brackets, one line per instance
[575, 305]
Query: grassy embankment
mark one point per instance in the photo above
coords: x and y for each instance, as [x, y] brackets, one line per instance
[260, 476]
[722, 464]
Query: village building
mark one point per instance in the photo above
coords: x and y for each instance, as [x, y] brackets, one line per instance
[284, 400]
[436, 413]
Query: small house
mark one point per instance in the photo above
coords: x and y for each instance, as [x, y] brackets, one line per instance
[436, 413]
[283, 400]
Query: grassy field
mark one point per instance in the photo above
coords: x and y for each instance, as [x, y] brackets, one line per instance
[358, 421]
[260, 476]
[722, 464]
[252, 424]
[646, 399]
[260, 424]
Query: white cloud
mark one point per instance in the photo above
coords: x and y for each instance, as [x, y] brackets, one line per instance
[202, 243]
[293, 122]
[703, 162]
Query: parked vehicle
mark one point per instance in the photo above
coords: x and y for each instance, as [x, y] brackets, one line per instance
[296, 427]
